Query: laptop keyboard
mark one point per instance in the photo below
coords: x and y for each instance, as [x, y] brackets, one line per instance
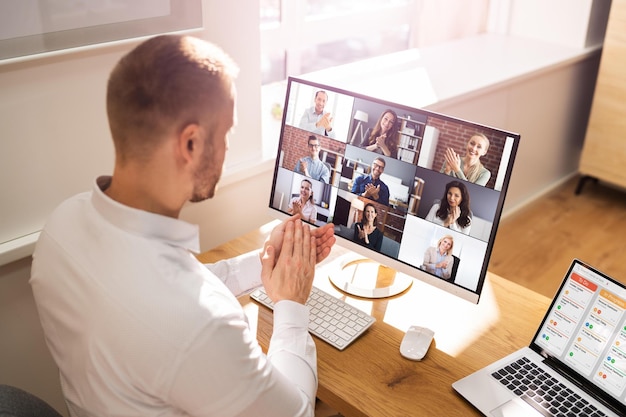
[330, 319]
[542, 391]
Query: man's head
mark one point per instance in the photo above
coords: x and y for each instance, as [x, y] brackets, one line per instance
[314, 146]
[174, 88]
[320, 101]
[378, 167]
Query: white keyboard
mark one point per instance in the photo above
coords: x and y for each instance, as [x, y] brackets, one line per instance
[331, 319]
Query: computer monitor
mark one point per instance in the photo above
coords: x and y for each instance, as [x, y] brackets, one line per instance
[416, 194]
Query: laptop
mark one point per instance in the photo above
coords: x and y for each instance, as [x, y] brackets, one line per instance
[576, 363]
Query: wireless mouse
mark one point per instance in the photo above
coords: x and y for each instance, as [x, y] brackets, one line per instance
[416, 342]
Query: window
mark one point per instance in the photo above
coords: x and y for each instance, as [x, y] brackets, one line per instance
[302, 36]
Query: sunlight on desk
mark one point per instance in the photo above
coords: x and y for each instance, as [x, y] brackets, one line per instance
[457, 323]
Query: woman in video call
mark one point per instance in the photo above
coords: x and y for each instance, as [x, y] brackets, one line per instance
[453, 211]
[438, 260]
[468, 167]
[366, 233]
[304, 203]
[383, 138]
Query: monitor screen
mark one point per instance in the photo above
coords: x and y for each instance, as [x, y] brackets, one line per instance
[416, 191]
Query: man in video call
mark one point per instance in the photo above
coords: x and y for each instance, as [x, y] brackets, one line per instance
[370, 185]
[311, 165]
[315, 120]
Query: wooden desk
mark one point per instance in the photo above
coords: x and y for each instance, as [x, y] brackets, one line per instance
[371, 378]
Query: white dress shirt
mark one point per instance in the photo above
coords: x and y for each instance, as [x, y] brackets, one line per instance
[309, 119]
[139, 327]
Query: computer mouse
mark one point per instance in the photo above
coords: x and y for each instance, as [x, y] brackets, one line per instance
[416, 342]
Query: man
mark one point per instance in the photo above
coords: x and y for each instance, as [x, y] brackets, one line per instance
[311, 165]
[370, 185]
[136, 325]
[315, 120]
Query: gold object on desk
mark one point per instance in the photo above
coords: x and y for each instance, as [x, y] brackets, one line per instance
[370, 377]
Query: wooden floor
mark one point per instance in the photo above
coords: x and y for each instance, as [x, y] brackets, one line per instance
[535, 245]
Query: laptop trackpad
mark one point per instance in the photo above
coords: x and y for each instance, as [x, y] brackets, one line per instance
[515, 408]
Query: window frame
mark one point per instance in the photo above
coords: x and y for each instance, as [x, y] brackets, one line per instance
[296, 32]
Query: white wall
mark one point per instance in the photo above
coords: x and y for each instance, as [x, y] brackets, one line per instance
[550, 111]
[53, 126]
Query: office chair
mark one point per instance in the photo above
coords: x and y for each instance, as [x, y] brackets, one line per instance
[15, 402]
[455, 267]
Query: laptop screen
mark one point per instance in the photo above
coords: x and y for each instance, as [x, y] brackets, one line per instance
[584, 330]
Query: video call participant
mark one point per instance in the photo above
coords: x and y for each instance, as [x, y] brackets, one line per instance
[454, 210]
[438, 260]
[315, 120]
[371, 186]
[304, 204]
[383, 138]
[366, 232]
[311, 165]
[136, 325]
[468, 168]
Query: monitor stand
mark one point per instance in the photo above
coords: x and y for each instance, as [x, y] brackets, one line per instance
[369, 279]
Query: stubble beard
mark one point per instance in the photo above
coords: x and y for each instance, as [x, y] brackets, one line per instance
[205, 182]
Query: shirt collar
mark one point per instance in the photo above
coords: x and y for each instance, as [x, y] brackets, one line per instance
[150, 225]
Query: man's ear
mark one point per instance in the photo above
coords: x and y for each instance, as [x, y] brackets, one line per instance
[189, 143]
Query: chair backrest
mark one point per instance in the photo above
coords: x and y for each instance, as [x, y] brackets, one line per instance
[15, 402]
[455, 267]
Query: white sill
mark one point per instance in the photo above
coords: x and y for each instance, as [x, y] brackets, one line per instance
[432, 77]
[451, 71]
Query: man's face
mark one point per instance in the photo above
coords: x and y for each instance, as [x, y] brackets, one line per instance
[320, 102]
[314, 148]
[377, 169]
[211, 166]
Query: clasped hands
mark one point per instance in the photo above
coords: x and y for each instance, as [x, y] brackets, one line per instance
[362, 233]
[326, 121]
[289, 256]
[296, 207]
[442, 265]
[453, 161]
[453, 214]
[304, 167]
[371, 191]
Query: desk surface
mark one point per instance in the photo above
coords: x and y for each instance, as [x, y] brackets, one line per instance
[371, 378]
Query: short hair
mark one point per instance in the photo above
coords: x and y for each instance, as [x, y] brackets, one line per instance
[379, 158]
[312, 137]
[321, 91]
[163, 85]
